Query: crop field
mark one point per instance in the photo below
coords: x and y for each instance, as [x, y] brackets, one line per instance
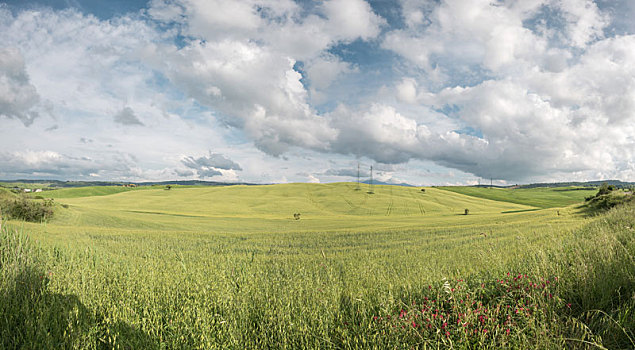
[230, 267]
[537, 197]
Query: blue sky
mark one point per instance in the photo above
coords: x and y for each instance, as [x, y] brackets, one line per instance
[428, 92]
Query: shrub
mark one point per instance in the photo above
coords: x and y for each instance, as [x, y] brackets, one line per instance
[605, 189]
[608, 201]
[26, 209]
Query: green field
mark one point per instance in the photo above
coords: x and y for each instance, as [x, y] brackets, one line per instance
[237, 209]
[537, 197]
[230, 267]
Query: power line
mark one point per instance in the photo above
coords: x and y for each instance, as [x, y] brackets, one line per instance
[370, 187]
[357, 188]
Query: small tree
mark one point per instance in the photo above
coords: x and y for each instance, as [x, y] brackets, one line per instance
[467, 211]
[605, 189]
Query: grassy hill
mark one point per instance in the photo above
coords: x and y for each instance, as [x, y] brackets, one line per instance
[229, 267]
[89, 191]
[270, 208]
[541, 197]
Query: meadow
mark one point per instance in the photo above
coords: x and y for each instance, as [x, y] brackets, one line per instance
[230, 267]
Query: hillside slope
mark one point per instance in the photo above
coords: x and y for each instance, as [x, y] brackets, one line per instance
[536, 197]
[337, 206]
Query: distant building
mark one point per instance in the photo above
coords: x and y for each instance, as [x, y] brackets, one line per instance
[27, 190]
[38, 190]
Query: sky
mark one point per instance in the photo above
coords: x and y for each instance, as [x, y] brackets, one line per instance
[428, 92]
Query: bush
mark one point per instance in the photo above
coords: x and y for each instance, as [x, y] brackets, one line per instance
[605, 189]
[608, 201]
[26, 209]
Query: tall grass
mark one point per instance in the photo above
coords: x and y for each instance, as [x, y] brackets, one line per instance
[339, 290]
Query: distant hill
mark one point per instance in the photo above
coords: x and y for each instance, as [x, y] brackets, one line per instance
[616, 183]
[375, 182]
[66, 184]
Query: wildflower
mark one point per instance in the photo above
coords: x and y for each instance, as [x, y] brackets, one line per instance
[507, 331]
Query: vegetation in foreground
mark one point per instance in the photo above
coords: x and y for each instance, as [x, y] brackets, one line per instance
[523, 279]
[20, 207]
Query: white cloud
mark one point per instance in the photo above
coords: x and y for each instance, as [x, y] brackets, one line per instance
[213, 160]
[18, 97]
[466, 32]
[407, 90]
[312, 179]
[514, 89]
[351, 19]
[47, 164]
[127, 117]
[585, 22]
[325, 69]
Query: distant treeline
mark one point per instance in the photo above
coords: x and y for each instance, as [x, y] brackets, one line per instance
[615, 183]
[66, 184]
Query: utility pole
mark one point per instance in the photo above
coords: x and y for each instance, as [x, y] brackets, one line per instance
[370, 190]
[491, 182]
[357, 188]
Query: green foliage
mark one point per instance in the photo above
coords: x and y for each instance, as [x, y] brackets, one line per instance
[605, 189]
[606, 198]
[608, 201]
[22, 208]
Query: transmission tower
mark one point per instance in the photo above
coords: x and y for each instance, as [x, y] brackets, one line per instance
[370, 185]
[357, 188]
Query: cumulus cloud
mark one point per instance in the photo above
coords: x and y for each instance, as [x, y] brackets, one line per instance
[183, 173]
[51, 164]
[208, 166]
[78, 63]
[18, 96]
[245, 68]
[325, 69]
[214, 160]
[509, 90]
[350, 172]
[127, 117]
